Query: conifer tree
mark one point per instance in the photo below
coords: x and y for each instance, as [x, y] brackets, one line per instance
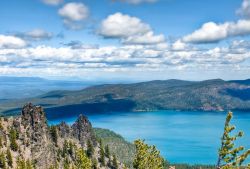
[102, 156]
[66, 164]
[82, 161]
[53, 132]
[21, 164]
[71, 147]
[147, 157]
[28, 165]
[13, 136]
[9, 158]
[230, 156]
[107, 152]
[114, 162]
[1, 125]
[90, 149]
[2, 161]
[94, 164]
[1, 142]
[65, 148]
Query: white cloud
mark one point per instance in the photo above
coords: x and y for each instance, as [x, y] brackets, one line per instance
[179, 45]
[53, 2]
[245, 9]
[73, 13]
[137, 1]
[130, 30]
[36, 34]
[11, 42]
[211, 32]
[147, 38]
[119, 25]
[240, 28]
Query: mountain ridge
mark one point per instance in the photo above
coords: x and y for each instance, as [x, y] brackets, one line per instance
[208, 95]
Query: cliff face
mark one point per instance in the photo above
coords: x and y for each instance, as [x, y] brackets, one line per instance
[28, 138]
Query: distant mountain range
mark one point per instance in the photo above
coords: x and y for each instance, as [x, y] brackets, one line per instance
[209, 95]
[24, 87]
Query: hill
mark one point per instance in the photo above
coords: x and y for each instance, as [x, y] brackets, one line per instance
[209, 95]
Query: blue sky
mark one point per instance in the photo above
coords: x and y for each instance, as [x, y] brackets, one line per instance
[127, 39]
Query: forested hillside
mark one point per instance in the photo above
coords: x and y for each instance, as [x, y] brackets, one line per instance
[210, 95]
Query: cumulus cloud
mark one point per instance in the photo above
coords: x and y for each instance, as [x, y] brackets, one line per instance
[211, 32]
[179, 45]
[147, 38]
[36, 35]
[119, 25]
[11, 42]
[135, 2]
[245, 9]
[130, 30]
[73, 14]
[53, 2]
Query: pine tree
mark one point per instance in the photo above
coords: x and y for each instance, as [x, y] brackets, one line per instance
[13, 136]
[102, 156]
[66, 164]
[2, 160]
[21, 164]
[9, 158]
[28, 165]
[107, 152]
[229, 155]
[82, 161]
[71, 147]
[90, 149]
[94, 164]
[65, 148]
[114, 162]
[147, 157]
[1, 125]
[1, 142]
[53, 132]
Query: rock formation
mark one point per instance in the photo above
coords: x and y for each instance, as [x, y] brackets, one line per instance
[48, 146]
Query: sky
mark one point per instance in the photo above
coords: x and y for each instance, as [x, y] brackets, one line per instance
[125, 39]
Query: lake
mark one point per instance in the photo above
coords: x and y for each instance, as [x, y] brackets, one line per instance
[182, 137]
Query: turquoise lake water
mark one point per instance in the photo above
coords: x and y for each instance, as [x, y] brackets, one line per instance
[182, 137]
